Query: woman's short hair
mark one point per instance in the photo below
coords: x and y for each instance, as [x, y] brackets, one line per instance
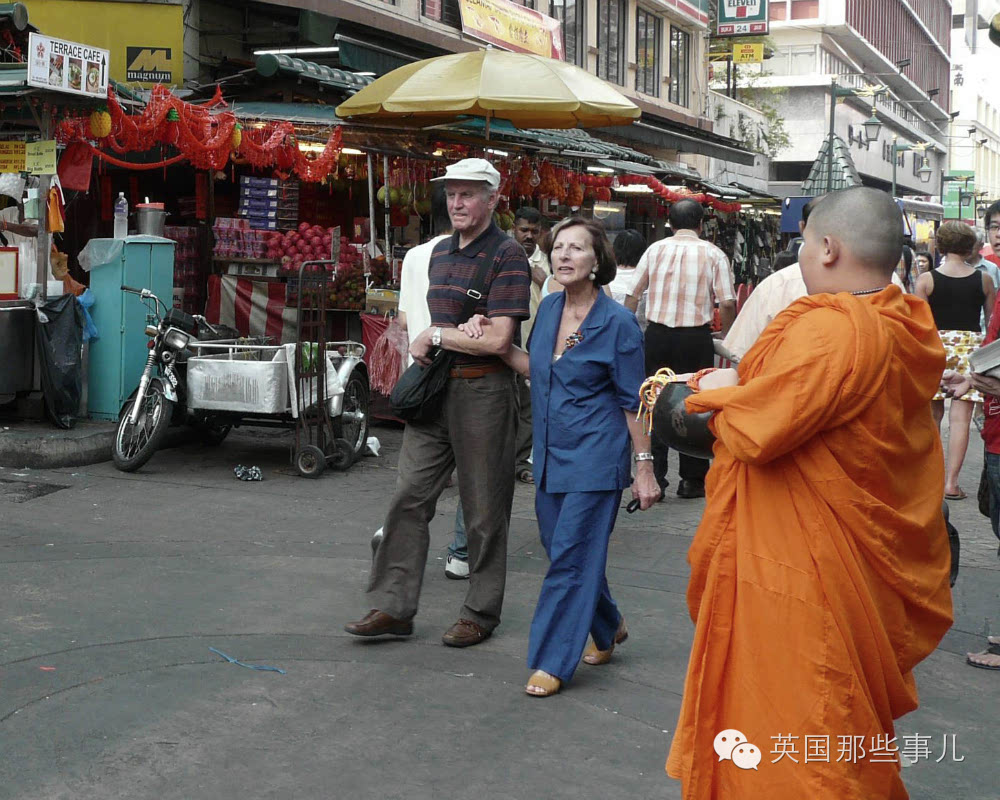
[605, 254]
[957, 238]
[629, 247]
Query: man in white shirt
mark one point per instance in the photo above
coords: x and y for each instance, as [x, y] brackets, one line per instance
[527, 232]
[685, 275]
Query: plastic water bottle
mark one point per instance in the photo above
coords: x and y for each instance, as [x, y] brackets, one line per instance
[121, 216]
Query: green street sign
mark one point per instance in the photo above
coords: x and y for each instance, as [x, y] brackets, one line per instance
[741, 17]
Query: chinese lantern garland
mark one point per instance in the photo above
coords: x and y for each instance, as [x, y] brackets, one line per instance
[528, 180]
[204, 135]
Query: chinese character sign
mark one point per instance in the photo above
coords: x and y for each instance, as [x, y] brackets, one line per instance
[512, 27]
[741, 17]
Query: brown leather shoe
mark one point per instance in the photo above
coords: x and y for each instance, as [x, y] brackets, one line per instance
[465, 633]
[377, 623]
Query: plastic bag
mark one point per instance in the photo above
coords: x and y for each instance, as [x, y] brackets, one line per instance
[388, 357]
[100, 251]
[86, 301]
[58, 338]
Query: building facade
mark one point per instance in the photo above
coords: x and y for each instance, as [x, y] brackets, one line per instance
[975, 132]
[653, 51]
[901, 45]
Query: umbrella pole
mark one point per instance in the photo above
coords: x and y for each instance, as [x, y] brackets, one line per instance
[388, 228]
[487, 126]
[371, 211]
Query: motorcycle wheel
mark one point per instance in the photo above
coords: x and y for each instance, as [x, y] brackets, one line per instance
[354, 414]
[135, 444]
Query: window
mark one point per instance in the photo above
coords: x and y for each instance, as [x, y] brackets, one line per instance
[611, 22]
[649, 31]
[445, 11]
[571, 15]
[680, 67]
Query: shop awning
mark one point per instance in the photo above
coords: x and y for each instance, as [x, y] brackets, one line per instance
[698, 142]
[270, 64]
[365, 57]
[724, 191]
[845, 173]
[296, 113]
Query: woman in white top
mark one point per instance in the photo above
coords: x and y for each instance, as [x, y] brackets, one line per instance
[629, 247]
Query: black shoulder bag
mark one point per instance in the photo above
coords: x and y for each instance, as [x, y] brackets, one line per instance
[418, 393]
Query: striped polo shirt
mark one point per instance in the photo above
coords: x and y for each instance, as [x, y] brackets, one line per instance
[453, 270]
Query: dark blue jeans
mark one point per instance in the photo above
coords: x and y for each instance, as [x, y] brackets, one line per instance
[993, 476]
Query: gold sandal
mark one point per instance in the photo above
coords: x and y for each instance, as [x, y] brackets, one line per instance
[541, 684]
[596, 657]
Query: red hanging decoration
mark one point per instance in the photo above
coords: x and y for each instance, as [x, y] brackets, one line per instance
[202, 136]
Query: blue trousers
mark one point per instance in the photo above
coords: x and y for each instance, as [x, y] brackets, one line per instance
[575, 599]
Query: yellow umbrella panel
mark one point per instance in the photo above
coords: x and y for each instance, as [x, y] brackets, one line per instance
[530, 91]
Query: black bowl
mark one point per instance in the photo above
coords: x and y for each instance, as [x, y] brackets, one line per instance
[674, 426]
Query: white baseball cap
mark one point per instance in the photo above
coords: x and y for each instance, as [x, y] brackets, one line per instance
[472, 169]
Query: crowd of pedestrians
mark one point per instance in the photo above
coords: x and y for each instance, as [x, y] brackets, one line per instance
[823, 531]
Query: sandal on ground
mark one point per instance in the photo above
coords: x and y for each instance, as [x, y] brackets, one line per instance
[525, 476]
[959, 495]
[541, 684]
[596, 657]
[985, 660]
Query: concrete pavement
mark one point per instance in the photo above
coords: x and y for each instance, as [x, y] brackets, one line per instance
[117, 585]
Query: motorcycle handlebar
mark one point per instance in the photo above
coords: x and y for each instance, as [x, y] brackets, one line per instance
[131, 289]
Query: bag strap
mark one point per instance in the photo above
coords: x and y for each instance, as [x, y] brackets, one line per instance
[475, 292]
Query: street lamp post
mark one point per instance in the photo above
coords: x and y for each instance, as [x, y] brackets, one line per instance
[872, 125]
[925, 170]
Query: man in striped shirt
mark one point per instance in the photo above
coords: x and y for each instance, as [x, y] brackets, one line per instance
[686, 276]
[474, 428]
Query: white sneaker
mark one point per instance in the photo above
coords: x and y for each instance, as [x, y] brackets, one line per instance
[456, 569]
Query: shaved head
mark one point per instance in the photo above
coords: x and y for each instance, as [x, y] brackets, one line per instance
[867, 224]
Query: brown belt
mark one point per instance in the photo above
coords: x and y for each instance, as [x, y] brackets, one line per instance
[476, 372]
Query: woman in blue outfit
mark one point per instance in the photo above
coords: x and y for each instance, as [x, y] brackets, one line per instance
[586, 367]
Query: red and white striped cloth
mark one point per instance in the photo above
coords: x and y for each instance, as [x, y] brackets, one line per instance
[254, 308]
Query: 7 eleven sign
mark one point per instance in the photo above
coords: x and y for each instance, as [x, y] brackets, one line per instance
[741, 17]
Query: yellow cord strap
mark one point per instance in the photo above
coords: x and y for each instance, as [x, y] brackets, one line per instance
[648, 394]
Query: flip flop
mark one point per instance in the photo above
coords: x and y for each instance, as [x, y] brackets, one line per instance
[971, 663]
[961, 495]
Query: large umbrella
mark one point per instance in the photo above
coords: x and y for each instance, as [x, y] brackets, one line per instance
[530, 91]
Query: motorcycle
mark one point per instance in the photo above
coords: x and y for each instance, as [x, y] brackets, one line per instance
[149, 412]
[212, 379]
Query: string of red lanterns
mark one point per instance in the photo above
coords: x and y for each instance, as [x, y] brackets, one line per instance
[203, 135]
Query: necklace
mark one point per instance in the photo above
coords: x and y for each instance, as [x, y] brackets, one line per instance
[868, 291]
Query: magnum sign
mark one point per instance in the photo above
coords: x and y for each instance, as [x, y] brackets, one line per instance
[148, 64]
[742, 17]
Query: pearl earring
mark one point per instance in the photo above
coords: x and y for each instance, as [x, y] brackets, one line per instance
[593, 275]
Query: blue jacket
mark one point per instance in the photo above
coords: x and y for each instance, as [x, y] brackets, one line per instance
[581, 440]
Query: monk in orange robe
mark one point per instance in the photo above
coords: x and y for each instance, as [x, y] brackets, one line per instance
[819, 573]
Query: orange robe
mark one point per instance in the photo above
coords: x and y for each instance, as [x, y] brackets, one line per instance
[819, 573]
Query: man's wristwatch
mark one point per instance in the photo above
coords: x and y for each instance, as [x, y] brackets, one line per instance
[642, 457]
[436, 337]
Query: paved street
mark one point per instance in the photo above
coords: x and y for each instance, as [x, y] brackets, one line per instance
[116, 586]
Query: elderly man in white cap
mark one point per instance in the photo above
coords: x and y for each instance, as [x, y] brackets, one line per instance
[474, 428]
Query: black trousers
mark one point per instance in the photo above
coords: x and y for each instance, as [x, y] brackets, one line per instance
[683, 350]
